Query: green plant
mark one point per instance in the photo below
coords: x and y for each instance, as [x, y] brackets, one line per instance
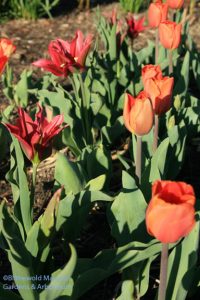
[133, 6]
[26, 9]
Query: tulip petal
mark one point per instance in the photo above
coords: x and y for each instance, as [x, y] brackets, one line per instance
[49, 66]
[170, 222]
[128, 103]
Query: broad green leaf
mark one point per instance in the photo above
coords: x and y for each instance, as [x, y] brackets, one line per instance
[127, 214]
[61, 283]
[19, 257]
[127, 291]
[21, 93]
[96, 184]
[67, 173]
[20, 186]
[181, 266]
[74, 209]
[89, 272]
[181, 85]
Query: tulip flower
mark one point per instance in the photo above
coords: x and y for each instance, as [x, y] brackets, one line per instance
[157, 13]
[175, 4]
[35, 136]
[151, 72]
[138, 114]
[134, 26]
[158, 88]
[170, 214]
[170, 34]
[6, 50]
[66, 57]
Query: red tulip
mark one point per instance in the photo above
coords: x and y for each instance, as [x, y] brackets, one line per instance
[134, 26]
[6, 49]
[66, 57]
[170, 34]
[175, 4]
[138, 114]
[157, 13]
[35, 136]
[170, 214]
[158, 88]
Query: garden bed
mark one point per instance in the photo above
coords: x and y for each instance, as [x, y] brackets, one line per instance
[31, 39]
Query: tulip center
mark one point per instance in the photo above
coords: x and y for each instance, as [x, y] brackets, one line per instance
[170, 198]
[63, 65]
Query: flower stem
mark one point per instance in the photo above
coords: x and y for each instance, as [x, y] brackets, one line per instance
[138, 162]
[74, 88]
[163, 272]
[156, 47]
[170, 53]
[85, 108]
[155, 134]
[34, 176]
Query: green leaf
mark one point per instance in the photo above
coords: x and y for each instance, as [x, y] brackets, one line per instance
[96, 184]
[127, 291]
[19, 257]
[40, 234]
[111, 133]
[89, 272]
[74, 209]
[181, 85]
[21, 93]
[20, 186]
[181, 266]
[58, 102]
[61, 283]
[127, 213]
[68, 173]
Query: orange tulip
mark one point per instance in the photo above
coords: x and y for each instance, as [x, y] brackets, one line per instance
[151, 72]
[170, 34]
[6, 49]
[170, 214]
[175, 4]
[158, 88]
[138, 114]
[157, 13]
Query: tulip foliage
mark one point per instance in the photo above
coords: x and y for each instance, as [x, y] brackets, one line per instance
[116, 131]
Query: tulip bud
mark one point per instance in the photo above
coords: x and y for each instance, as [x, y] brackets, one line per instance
[175, 4]
[151, 72]
[170, 214]
[158, 88]
[170, 34]
[138, 114]
[157, 13]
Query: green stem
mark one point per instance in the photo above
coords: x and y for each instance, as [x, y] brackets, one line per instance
[74, 88]
[163, 272]
[138, 161]
[34, 176]
[170, 53]
[156, 47]
[155, 134]
[85, 115]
